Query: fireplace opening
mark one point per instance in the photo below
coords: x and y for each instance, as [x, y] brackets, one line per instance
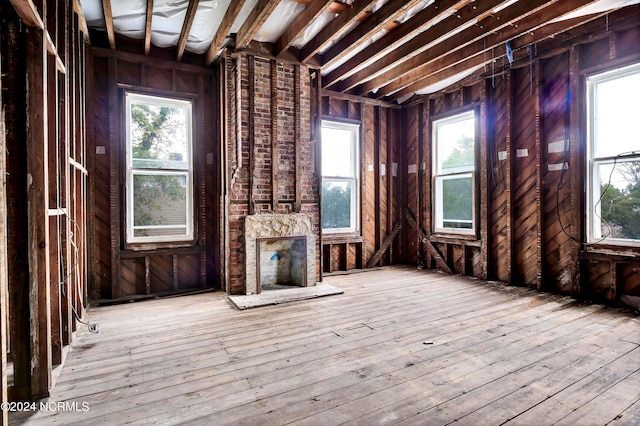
[282, 261]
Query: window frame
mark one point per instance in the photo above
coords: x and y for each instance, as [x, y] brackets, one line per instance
[593, 220]
[354, 129]
[188, 237]
[438, 177]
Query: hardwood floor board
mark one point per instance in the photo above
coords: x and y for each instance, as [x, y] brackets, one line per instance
[165, 362]
[536, 392]
[583, 391]
[630, 416]
[472, 399]
[497, 353]
[609, 404]
[428, 390]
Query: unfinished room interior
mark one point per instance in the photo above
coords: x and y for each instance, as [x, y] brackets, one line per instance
[322, 212]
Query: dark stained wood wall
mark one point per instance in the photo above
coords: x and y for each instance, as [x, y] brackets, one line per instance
[121, 273]
[531, 171]
[380, 185]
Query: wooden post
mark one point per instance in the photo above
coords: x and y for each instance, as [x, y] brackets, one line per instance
[114, 177]
[538, 148]
[484, 183]
[4, 281]
[38, 221]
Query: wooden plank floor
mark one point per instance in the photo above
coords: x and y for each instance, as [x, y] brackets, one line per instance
[400, 346]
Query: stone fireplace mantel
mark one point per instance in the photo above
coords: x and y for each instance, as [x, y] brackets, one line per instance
[262, 226]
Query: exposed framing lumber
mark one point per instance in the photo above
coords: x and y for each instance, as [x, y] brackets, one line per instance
[385, 245]
[409, 75]
[38, 205]
[254, 21]
[431, 249]
[343, 20]
[4, 278]
[108, 20]
[397, 39]
[225, 26]
[28, 12]
[147, 27]
[186, 27]
[250, 129]
[301, 23]
[298, 138]
[374, 23]
[82, 21]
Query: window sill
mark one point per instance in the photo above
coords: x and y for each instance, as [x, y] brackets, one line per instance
[341, 238]
[467, 240]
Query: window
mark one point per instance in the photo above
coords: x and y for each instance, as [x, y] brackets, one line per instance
[613, 160]
[159, 170]
[340, 177]
[454, 173]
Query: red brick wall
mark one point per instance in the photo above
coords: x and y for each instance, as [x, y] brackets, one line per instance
[251, 185]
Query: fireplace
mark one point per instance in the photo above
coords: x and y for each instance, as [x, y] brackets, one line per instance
[280, 249]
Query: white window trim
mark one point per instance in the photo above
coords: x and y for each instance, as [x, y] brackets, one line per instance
[354, 129]
[130, 98]
[593, 214]
[439, 177]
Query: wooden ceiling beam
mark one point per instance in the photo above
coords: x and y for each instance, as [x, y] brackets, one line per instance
[223, 30]
[147, 28]
[343, 20]
[82, 21]
[389, 12]
[301, 23]
[532, 28]
[108, 20]
[28, 12]
[394, 39]
[186, 27]
[405, 59]
[254, 21]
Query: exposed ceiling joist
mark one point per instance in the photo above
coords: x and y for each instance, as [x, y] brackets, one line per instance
[385, 71]
[186, 27]
[529, 29]
[225, 26]
[397, 38]
[254, 21]
[108, 20]
[370, 26]
[28, 12]
[324, 37]
[147, 27]
[301, 23]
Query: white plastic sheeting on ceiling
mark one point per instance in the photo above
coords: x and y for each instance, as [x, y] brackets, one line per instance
[598, 7]
[276, 24]
[166, 24]
[129, 18]
[205, 24]
[93, 14]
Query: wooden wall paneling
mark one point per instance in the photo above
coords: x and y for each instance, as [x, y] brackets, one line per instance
[133, 273]
[15, 115]
[538, 169]
[499, 244]
[576, 170]
[38, 202]
[187, 271]
[525, 221]
[130, 73]
[628, 278]
[4, 278]
[186, 81]
[114, 175]
[391, 178]
[601, 284]
[557, 249]
[377, 141]
[52, 214]
[368, 181]
[161, 273]
[421, 185]
[201, 193]
[627, 42]
[484, 199]
[383, 177]
[408, 168]
[161, 79]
